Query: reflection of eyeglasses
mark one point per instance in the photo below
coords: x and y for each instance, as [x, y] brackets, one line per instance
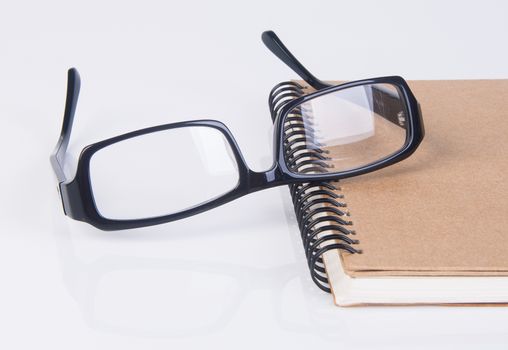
[169, 172]
[137, 294]
[187, 289]
[160, 297]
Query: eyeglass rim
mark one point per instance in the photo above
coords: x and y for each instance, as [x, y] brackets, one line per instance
[414, 127]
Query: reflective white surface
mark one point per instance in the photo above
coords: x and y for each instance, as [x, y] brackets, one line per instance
[234, 277]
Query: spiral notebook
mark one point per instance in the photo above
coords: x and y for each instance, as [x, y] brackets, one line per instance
[432, 229]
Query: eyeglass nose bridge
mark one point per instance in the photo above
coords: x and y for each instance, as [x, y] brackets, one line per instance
[257, 181]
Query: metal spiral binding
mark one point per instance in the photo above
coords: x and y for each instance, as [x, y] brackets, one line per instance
[322, 219]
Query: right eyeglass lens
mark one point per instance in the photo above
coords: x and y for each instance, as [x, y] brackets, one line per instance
[163, 172]
[346, 129]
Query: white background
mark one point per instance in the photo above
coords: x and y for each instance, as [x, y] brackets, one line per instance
[66, 285]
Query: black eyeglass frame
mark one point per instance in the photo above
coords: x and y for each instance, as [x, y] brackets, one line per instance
[77, 195]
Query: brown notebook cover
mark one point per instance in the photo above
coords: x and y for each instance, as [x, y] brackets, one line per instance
[444, 210]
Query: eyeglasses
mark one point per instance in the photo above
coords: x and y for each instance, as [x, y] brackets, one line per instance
[168, 172]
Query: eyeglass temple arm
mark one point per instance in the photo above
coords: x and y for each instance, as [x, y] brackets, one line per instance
[58, 155]
[277, 47]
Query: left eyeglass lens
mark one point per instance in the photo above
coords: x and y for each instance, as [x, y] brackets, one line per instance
[162, 173]
[346, 129]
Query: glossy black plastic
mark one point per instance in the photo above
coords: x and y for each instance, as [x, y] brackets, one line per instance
[77, 198]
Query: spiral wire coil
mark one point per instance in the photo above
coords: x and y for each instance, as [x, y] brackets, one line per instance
[320, 211]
